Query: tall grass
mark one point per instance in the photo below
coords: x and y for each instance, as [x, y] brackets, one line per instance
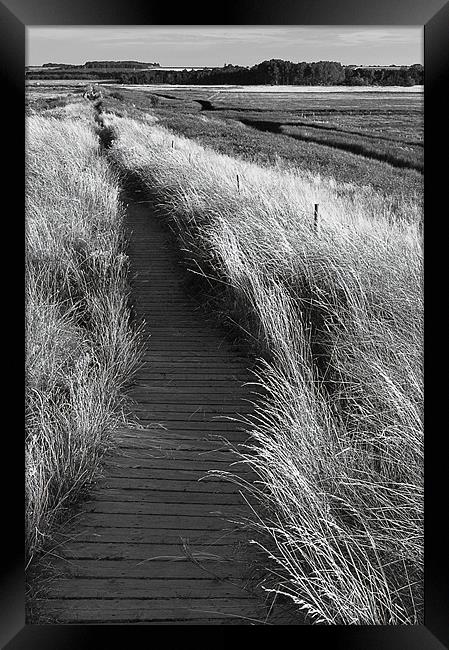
[337, 317]
[80, 344]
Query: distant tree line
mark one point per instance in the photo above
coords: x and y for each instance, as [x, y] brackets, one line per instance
[279, 72]
[273, 72]
[118, 64]
[91, 70]
[60, 65]
[392, 76]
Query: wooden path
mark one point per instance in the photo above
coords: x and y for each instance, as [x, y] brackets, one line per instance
[154, 544]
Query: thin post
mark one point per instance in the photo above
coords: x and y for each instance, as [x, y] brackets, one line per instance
[238, 183]
[172, 143]
[316, 217]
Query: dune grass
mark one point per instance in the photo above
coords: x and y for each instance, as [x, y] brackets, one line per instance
[80, 344]
[336, 317]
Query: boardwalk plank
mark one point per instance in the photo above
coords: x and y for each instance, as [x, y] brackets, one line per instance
[146, 587]
[153, 522]
[167, 569]
[177, 509]
[169, 550]
[166, 498]
[149, 610]
[205, 487]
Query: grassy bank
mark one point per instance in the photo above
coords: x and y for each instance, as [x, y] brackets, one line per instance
[348, 138]
[337, 316]
[80, 345]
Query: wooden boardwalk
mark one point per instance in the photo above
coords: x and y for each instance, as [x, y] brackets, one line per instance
[154, 543]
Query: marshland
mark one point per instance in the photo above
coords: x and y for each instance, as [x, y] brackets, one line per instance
[296, 220]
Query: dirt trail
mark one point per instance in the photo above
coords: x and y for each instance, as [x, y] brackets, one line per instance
[154, 544]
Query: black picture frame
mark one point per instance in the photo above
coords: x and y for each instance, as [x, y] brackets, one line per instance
[15, 16]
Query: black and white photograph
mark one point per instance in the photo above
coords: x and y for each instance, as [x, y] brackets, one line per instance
[224, 325]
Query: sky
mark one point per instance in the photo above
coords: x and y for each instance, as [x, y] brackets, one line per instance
[214, 45]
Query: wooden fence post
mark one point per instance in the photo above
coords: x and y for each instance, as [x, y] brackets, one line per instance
[316, 222]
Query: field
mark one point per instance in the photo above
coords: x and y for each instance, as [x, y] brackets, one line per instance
[346, 136]
[277, 90]
[332, 309]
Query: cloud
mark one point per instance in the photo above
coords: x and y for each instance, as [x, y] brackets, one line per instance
[379, 36]
[214, 36]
